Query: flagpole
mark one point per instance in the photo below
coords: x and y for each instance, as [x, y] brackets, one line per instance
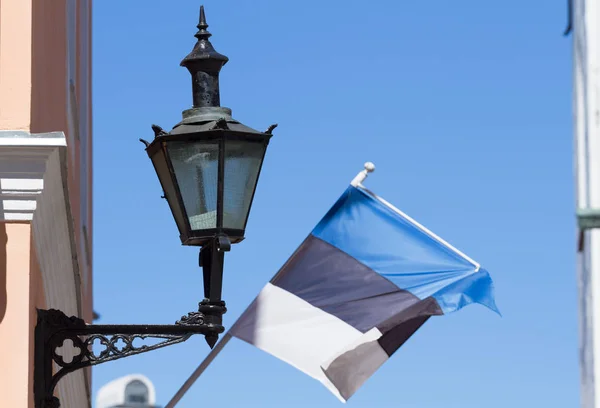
[198, 371]
[424, 229]
[362, 175]
[356, 182]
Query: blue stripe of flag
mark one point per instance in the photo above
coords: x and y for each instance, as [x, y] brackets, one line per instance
[392, 246]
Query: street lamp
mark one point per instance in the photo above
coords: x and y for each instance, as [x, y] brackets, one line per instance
[208, 166]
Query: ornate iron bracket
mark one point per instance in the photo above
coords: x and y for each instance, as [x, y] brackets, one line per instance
[54, 327]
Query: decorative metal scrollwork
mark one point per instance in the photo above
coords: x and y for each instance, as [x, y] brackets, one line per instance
[192, 319]
[54, 328]
[111, 351]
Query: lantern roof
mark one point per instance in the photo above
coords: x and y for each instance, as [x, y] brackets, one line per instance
[210, 118]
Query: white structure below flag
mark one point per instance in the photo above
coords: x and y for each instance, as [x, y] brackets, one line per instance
[586, 110]
[131, 391]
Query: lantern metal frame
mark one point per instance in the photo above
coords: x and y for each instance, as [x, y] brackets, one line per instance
[219, 133]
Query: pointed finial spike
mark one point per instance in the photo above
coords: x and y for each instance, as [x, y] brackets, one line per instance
[202, 16]
[202, 26]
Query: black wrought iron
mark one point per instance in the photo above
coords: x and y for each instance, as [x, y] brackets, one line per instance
[204, 64]
[54, 328]
[569, 18]
[211, 260]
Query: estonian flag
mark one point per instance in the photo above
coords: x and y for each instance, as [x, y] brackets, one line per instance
[365, 279]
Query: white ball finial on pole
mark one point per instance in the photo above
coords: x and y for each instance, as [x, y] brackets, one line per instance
[360, 177]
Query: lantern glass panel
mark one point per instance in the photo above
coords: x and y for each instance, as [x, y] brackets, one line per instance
[164, 176]
[196, 167]
[243, 160]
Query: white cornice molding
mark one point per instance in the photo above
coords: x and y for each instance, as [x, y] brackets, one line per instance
[23, 160]
[34, 187]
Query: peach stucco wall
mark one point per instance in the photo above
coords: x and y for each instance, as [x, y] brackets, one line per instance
[49, 65]
[38, 45]
[20, 293]
[15, 64]
[45, 86]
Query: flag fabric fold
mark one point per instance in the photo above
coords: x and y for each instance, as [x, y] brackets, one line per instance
[359, 286]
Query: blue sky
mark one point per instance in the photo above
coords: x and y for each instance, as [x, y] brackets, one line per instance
[465, 108]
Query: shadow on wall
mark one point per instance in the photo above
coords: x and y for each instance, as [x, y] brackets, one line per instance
[49, 64]
[3, 268]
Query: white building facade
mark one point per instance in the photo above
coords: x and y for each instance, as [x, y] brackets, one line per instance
[131, 391]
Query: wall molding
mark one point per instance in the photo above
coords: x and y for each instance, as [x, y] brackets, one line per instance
[23, 158]
[34, 187]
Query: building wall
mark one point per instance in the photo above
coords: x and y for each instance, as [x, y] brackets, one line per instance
[36, 297]
[117, 393]
[16, 273]
[15, 64]
[61, 71]
[45, 187]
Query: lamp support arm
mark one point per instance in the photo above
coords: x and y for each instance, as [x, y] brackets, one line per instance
[54, 328]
